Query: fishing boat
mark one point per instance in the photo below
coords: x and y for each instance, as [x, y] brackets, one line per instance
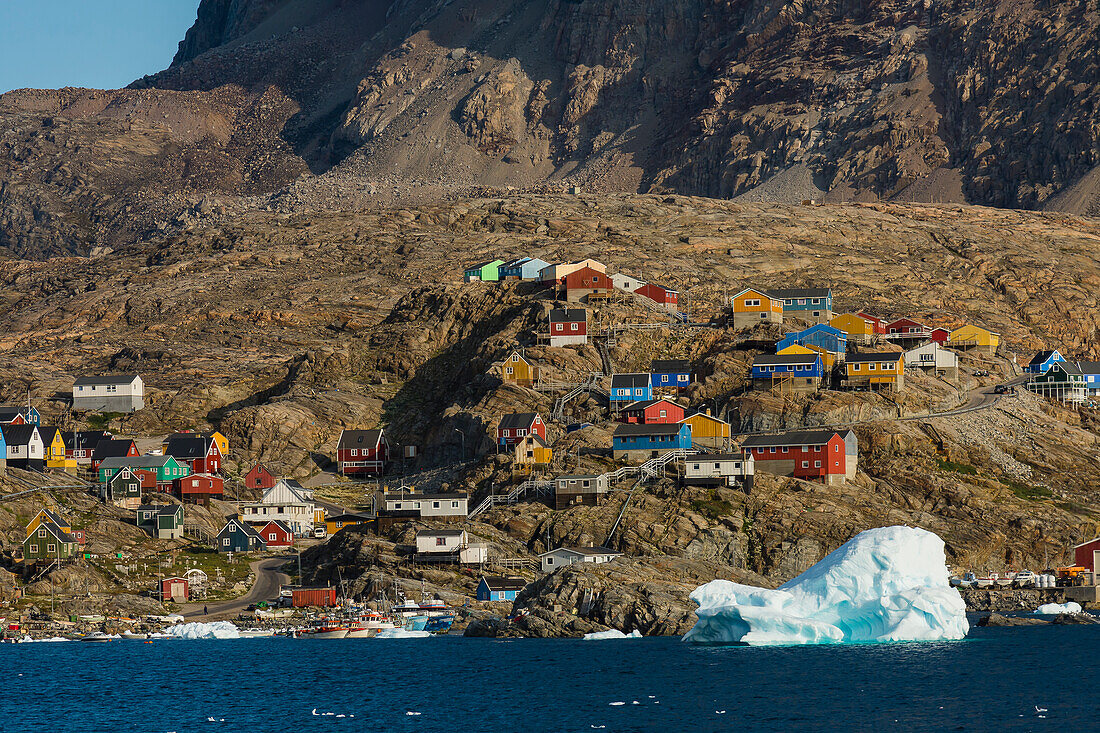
[256, 633]
[131, 636]
[96, 636]
[440, 616]
[327, 629]
[368, 626]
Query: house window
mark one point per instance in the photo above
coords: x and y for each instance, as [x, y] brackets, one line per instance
[397, 505]
[34, 548]
[354, 452]
[816, 301]
[520, 433]
[802, 301]
[682, 378]
[664, 413]
[785, 449]
[805, 464]
[572, 326]
[440, 541]
[771, 450]
[435, 505]
[515, 357]
[271, 537]
[508, 370]
[225, 542]
[817, 464]
[695, 466]
[763, 315]
[42, 532]
[752, 303]
[871, 366]
[549, 561]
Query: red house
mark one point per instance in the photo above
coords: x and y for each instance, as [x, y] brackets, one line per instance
[515, 427]
[817, 455]
[259, 477]
[113, 448]
[940, 335]
[1085, 555]
[652, 412]
[878, 325]
[200, 453]
[199, 488]
[175, 589]
[147, 477]
[277, 534]
[586, 281]
[906, 327]
[362, 452]
[658, 294]
[568, 326]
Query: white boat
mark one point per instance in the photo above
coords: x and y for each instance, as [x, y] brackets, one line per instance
[96, 636]
[256, 633]
[130, 635]
[368, 626]
[327, 631]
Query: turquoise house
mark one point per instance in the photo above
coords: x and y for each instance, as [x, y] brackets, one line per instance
[484, 272]
[497, 588]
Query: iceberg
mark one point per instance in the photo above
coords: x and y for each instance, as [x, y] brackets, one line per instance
[215, 630]
[886, 584]
[612, 634]
[402, 634]
[1053, 609]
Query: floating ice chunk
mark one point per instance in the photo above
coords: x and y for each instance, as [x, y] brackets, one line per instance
[887, 584]
[215, 630]
[402, 634]
[612, 634]
[1053, 609]
[411, 713]
[616, 704]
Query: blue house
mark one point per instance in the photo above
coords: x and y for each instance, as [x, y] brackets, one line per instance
[3, 453]
[499, 588]
[669, 373]
[810, 304]
[823, 336]
[522, 268]
[627, 388]
[1091, 371]
[236, 536]
[1043, 361]
[10, 414]
[639, 442]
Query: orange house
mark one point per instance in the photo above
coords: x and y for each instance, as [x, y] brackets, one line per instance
[584, 282]
[752, 306]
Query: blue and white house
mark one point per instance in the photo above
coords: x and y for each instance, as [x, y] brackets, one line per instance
[522, 268]
[642, 442]
[670, 373]
[627, 388]
[12, 414]
[1091, 372]
[1043, 361]
[3, 453]
[826, 337]
[498, 588]
[814, 305]
[797, 372]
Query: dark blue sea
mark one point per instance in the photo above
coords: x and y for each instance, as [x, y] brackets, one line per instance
[1026, 679]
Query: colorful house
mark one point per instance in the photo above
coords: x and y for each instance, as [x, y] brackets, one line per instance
[875, 371]
[236, 536]
[829, 338]
[652, 412]
[1090, 370]
[720, 469]
[287, 501]
[113, 448]
[975, 338]
[531, 451]
[259, 477]
[878, 325]
[933, 359]
[813, 305]
[175, 590]
[80, 445]
[568, 326]
[25, 448]
[708, 430]
[362, 452]
[642, 442]
[1043, 361]
[200, 453]
[517, 370]
[572, 489]
[512, 428]
[557, 273]
[221, 440]
[276, 534]
[794, 372]
[522, 268]
[199, 488]
[56, 451]
[585, 282]
[166, 468]
[628, 388]
[125, 489]
[47, 543]
[824, 455]
[660, 295]
[751, 307]
[1062, 382]
[626, 283]
[907, 329]
[45, 515]
[19, 415]
[1087, 555]
[488, 271]
[161, 522]
[496, 588]
[670, 373]
[858, 329]
[336, 523]
[940, 335]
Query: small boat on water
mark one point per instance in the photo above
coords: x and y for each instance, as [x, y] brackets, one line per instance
[131, 636]
[368, 626]
[96, 636]
[256, 633]
[326, 630]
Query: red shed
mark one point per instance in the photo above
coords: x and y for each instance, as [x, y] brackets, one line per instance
[277, 534]
[259, 477]
[652, 412]
[659, 294]
[878, 325]
[586, 281]
[906, 327]
[1085, 554]
[175, 589]
[515, 427]
[305, 597]
[199, 488]
[940, 335]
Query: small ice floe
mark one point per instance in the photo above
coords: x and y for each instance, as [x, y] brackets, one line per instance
[612, 634]
[1040, 710]
[411, 713]
[617, 703]
[719, 712]
[635, 703]
[216, 630]
[597, 727]
[1054, 609]
[402, 634]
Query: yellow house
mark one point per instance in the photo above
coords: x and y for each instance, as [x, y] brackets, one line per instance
[318, 516]
[755, 306]
[532, 451]
[828, 358]
[708, 430]
[518, 370]
[858, 329]
[876, 370]
[336, 523]
[976, 338]
[48, 516]
[55, 450]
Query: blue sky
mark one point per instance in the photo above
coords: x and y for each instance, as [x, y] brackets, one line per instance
[104, 44]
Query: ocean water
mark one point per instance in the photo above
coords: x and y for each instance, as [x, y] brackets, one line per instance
[1027, 679]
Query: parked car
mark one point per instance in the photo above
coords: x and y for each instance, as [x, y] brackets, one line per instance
[1000, 389]
[319, 533]
[981, 373]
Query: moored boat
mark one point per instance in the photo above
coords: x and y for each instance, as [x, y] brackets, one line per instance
[96, 636]
[325, 631]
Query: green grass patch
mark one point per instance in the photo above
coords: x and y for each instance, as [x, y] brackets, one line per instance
[712, 508]
[1027, 492]
[100, 421]
[963, 468]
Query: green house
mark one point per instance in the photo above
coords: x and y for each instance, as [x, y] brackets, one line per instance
[48, 542]
[166, 468]
[1062, 381]
[484, 272]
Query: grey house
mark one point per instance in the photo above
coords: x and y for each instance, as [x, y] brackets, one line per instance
[112, 393]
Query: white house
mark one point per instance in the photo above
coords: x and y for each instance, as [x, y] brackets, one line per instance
[428, 505]
[449, 545]
[26, 448]
[287, 501]
[713, 469]
[112, 393]
[626, 283]
[565, 556]
[934, 359]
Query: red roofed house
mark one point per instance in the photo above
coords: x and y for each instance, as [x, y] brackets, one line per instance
[199, 488]
[878, 325]
[568, 326]
[362, 452]
[940, 335]
[652, 412]
[659, 295]
[584, 282]
[276, 534]
[515, 427]
[259, 477]
[906, 328]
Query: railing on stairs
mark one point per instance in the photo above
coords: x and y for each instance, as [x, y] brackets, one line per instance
[535, 487]
[197, 532]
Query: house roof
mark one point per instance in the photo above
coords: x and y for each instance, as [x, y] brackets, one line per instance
[18, 434]
[702, 414]
[135, 462]
[791, 293]
[104, 380]
[496, 582]
[8, 413]
[1043, 356]
[169, 510]
[60, 534]
[799, 437]
[112, 448]
[48, 432]
[568, 315]
[515, 262]
[662, 366]
[1066, 367]
[440, 533]
[785, 359]
[632, 381]
[517, 420]
[486, 263]
[1089, 367]
[280, 524]
[53, 517]
[416, 497]
[758, 291]
[876, 356]
[704, 457]
[655, 429]
[536, 438]
[84, 440]
[359, 438]
[646, 404]
[586, 551]
[188, 447]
